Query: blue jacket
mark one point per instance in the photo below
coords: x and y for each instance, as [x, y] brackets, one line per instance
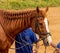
[27, 36]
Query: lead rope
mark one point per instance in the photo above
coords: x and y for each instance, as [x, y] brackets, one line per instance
[45, 49]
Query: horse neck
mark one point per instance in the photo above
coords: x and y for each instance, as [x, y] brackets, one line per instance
[16, 26]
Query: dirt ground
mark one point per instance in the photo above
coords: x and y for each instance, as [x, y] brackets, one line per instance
[53, 16]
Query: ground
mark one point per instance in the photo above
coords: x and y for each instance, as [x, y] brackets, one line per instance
[53, 16]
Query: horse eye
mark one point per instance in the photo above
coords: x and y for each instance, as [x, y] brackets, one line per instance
[41, 16]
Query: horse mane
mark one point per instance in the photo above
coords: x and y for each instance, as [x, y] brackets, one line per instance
[16, 19]
[13, 15]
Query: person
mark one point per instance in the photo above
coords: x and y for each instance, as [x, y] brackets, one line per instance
[57, 50]
[56, 46]
[26, 38]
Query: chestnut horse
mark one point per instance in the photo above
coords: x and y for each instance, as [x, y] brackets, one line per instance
[13, 22]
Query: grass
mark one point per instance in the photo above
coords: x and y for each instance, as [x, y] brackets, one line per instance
[23, 4]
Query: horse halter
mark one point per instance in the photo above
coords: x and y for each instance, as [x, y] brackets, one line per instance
[37, 24]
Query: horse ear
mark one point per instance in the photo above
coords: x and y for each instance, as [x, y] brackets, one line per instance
[46, 9]
[37, 8]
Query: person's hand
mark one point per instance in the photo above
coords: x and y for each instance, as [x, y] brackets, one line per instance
[58, 48]
[34, 49]
[57, 51]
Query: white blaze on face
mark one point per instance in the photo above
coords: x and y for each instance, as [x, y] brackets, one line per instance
[46, 24]
[49, 38]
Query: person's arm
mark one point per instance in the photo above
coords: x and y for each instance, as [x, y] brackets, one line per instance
[34, 48]
[53, 45]
[49, 39]
[35, 45]
[56, 46]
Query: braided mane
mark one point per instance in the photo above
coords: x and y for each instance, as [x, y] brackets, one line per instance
[13, 20]
[12, 15]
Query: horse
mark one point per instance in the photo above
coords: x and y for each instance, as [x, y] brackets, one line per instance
[14, 22]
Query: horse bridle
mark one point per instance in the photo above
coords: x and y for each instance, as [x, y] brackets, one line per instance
[37, 24]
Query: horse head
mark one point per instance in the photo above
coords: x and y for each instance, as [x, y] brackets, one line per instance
[41, 23]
